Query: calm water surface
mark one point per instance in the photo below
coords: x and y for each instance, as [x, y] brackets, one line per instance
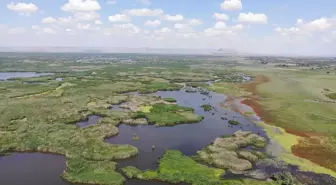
[7, 75]
[188, 138]
[32, 169]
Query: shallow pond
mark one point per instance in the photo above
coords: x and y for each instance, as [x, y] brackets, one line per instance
[32, 168]
[4, 76]
[92, 120]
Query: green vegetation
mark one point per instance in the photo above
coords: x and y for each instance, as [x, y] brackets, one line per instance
[156, 86]
[332, 96]
[207, 107]
[92, 172]
[225, 152]
[176, 168]
[285, 178]
[171, 100]
[233, 122]
[169, 115]
[196, 84]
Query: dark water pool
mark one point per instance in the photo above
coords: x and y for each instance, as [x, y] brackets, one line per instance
[4, 76]
[32, 169]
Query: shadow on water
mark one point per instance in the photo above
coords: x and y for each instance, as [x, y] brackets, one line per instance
[32, 168]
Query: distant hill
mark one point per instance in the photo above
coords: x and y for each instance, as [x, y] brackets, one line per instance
[223, 51]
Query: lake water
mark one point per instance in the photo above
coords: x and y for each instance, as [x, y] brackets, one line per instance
[4, 76]
[188, 138]
[32, 168]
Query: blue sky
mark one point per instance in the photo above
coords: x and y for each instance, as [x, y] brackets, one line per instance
[256, 26]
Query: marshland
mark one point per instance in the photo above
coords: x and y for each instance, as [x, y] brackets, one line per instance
[187, 120]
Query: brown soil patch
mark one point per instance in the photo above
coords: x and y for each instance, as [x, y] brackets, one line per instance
[314, 151]
[258, 109]
[252, 86]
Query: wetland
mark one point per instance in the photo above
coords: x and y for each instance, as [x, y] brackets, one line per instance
[134, 124]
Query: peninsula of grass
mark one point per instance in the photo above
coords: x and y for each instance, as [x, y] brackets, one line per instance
[170, 100]
[233, 122]
[207, 107]
[82, 171]
[169, 115]
[226, 152]
[176, 168]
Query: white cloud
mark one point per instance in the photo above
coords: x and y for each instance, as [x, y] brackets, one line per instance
[220, 25]
[49, 20]
[81, 6]
[252, 18]
[237, 27]
[317, 25]
[220, 17]
[98, 22]
[86, 16]
[17, 30]
[146, 2]
[299, 21]
[88, 27]
[23, 8]
[123, 29]
[187, 35]
[145, 12]
[119, 18]
[153, 23]
[164, 30]
[195, 22]
[231, 5]
[287, 31]
[184, 28]
[49, 30]
[177, 17]
[65, 20]
[44, 29]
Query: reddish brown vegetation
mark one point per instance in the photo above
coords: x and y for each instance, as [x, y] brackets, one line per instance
[252, 86]
[309, 148]
[313, 150]
[258, 109]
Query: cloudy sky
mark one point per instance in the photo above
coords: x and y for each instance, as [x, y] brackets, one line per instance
[303, 27]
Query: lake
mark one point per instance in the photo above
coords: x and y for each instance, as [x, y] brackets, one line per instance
[4, 76]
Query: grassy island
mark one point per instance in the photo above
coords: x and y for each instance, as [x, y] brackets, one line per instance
[169, 115]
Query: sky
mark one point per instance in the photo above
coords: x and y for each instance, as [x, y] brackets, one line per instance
[289, 27]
